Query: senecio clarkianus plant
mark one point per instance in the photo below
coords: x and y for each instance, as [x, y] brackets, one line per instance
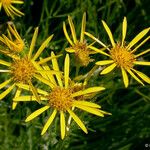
[62, 97]
[63, 94]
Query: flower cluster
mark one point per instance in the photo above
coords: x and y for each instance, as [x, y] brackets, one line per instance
[10, 9]
[25, 67]
[122, 55]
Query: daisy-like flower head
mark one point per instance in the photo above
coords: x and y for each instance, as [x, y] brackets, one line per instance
[123, 55]
[14, 42]
[62, 97]
[23, 68]
[10, 9]
[80, 48]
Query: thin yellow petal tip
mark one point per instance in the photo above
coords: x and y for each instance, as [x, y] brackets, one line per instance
[26, 120]
[86, 132]
[42, 133]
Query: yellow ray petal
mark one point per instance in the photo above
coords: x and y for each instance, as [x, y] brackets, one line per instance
[77, 120]
[14, 105]
[66, 34]
[12, 11]
[125, 77]
[8, 12]
[17, 2]
[62, 124]
[27, 98]
[12, 44]
[50, 76]
[9, 35]
[70, 50]
[140, 44]
[6, 41]
[26, 87]
[93, 52]
[85, 103]
[83, 28]
[66, 70]
[14, 31]
[88, 91]
[47, 82]
[10, 55]
[142, 53]
[98, 50]
[56, 67]
[2, 95]
[16, 11]
[142, 76]
[0, 5]
[105, 113]
[90, 110]
[2, 62]
[34, 92]
[73, 32]
[2, 85]
[45, 60]
[95, 39]
[145, 63]
[104, 62]
[138, 37]
[2, 40]
[108, 69]
[18, 92]
[124, 29]
[36, 113]
[42, 47]
[52, 72]
[7, 71]
[109, 33]
[33, 42]
[49, 121]
[136, 78]
[38, 67]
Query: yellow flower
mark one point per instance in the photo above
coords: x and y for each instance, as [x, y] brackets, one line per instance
[123, 55]
[79, 47]
[23, 68]
[63, 97]
[14, 42]
[10, 9]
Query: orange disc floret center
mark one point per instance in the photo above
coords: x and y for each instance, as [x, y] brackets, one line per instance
[6, 2]
[22, 70]
[81, 53]
[60, 98]
[122, 57]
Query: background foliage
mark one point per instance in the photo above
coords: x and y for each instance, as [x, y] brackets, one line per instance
[129, 126]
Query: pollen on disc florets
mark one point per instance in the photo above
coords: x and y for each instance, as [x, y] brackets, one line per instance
[6, 2]
[122, 56]
[60, 98]
[82, 53]
[22, 70]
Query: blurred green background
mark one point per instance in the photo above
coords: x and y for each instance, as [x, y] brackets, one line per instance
[129, 126]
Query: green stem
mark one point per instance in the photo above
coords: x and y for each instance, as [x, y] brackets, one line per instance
[77, 70]
[90, 73]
